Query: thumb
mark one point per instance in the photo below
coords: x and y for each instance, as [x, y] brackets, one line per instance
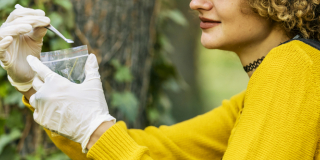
[42, 70]
[92, 67]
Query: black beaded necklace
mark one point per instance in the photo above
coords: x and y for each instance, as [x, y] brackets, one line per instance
[254, 65]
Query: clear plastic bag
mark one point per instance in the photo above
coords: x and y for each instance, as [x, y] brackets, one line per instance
[68, 63]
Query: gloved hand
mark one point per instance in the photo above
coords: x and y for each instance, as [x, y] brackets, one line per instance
[72, 110]
[21, 35]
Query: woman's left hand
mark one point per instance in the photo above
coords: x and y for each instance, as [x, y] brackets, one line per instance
[72, 110]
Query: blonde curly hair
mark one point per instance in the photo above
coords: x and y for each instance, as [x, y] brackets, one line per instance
[296, 16]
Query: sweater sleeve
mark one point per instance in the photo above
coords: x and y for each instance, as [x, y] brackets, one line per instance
[203, 137]
[280, 119]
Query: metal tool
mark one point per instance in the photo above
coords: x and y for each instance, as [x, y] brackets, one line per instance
[51, 28]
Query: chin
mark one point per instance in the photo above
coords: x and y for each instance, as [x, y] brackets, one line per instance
[210, 43]
[215, 43]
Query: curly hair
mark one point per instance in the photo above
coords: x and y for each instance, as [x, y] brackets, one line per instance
[296, 16]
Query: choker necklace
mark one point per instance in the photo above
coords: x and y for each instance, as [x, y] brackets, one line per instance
[254, 65]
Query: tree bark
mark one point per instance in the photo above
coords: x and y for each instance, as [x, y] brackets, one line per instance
[121, 30]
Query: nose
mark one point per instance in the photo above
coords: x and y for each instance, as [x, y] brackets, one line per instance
[201, 5]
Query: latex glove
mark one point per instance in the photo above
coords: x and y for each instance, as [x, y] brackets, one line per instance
[69, 109]
[21, 35]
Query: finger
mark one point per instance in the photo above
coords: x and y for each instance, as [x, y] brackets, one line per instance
[21, 12]
[92, 67]
[42, 70]
[32, 101]
[37, 83]
[4, 44]
[34, 21]
[15, 30]
[36, 116]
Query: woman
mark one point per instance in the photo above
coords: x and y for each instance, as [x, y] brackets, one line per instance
[277, 117]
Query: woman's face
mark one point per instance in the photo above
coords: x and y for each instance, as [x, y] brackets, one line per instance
[230, 24]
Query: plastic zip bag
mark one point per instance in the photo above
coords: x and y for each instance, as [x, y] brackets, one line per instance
[68, 63]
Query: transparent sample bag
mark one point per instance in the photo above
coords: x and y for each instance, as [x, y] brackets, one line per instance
[68, 63]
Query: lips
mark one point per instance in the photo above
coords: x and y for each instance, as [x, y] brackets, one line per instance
[208, 23]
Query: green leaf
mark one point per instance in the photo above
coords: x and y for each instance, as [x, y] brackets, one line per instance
[2, 72]
[165, 102]
[173, 85]
[24, 3]
[51, 34]
[165, 42]
[66, 4]
[1, 22]
[116, 64]
[177, 17]
[56, 19]
[2, 124]
[59, 72]
[60, 156]
[14, 97]
[67, 34]
[8, 138]
[167, 119]
[153, 115]
[31, 157]
[7, 3]
[127, 103]
[15, 121]
[10, 153]
[69, 19]
[4, 89]
[40, 151]
[77, 81]
[122, 73]
[58, 43]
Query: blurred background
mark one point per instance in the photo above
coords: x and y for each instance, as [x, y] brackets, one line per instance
[153, 67]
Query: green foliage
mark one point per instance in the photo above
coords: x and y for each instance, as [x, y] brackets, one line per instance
[56, 19]
[2, 124]
[127, 103]
[9, 152]
[164, 76]
[175, 15]
[41, 154]
[12, 120]
[15, 120]
[8, 138]
[14, 97]
[67, 5]
[122, 73]
[7, 3]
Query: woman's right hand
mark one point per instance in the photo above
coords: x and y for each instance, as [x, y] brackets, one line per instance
[21, 35]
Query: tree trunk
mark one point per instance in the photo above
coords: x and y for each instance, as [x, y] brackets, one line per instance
[121, 30]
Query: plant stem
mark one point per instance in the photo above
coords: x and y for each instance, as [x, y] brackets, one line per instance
[72, 68]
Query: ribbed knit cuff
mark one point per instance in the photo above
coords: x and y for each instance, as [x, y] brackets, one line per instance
[27, 104]
[116, 143]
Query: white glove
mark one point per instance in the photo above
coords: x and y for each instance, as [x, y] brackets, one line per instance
[72, 110]
[21, 35]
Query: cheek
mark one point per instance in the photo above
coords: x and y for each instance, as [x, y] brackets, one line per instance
[235, 33]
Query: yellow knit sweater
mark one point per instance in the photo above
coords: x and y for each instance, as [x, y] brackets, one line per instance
[276, 118]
